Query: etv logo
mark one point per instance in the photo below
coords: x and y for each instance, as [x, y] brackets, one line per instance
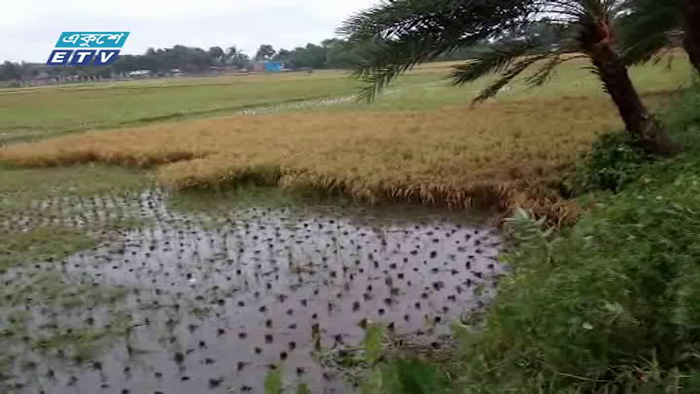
[84, 56]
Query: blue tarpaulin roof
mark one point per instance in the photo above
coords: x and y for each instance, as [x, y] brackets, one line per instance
[273, 67]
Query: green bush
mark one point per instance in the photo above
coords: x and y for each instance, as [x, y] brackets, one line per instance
[683, 118]
[613, 162]
[405, 376]
[611, 305]
[614, 304]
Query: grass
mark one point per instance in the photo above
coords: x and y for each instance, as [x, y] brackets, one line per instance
[273, 381]
[41, 244]
[246, 196]
[83, 343]
[428, 88]
[21, 189]
[78, 340]
[79, 181]
[39, 112]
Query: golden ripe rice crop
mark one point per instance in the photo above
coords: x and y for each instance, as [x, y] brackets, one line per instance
[458, 155]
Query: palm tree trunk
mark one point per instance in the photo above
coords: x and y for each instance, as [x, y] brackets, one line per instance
[692, 32]
[638, 121]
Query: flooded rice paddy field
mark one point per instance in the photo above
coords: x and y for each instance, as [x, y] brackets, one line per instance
[212, 301]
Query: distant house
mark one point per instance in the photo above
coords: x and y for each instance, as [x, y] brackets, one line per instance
[259, 66]
[268, 67]
[41, 78]
[139, 73]
[273, 67]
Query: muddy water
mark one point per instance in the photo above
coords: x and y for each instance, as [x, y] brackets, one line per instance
[212, 302]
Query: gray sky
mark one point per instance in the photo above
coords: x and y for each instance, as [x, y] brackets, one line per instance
[30, 28]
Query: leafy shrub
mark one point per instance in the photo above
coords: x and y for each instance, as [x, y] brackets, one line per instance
[405, 376]
[611, 306]
[389, 373]
[683, 118]
[613, 163]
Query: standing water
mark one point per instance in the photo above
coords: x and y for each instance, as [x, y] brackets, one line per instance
[211, 302]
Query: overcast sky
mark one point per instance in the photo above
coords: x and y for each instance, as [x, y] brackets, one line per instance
[30, 28]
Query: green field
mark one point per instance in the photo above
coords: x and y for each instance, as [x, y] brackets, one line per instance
[35, 113]
[45, 111]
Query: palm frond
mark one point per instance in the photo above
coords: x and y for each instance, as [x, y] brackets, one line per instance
[507, 76]
[396, 35]
[545, 72]
[377, 62]
[399, 34]
[495, 59]
[648, 27]
[509, 59]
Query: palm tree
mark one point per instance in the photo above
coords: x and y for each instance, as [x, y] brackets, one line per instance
[232, 52]
[404, 33]
[652, 27]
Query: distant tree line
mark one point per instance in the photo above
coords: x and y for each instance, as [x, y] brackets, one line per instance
[332, 53]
